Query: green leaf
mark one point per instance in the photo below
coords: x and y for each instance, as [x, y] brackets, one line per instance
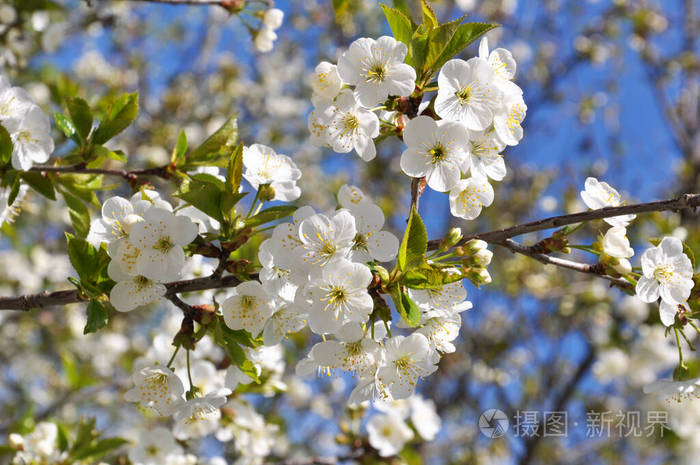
[97, 317]
[81, 115]
[402, 6]
[79, 214]
[234, 170]
[414, 243]
[231, 340]
[86, 435]
[463, 36]
[13, 192]
[65, 124]
[87, 261]
[270, 214]
[62, 438]
[100, 448]
[39, 183]
[122, 113]
[216, 149]
[412, 311]
[204, 193]
[400, 24]
[689, 252]
[180, 149]
[102, 151]
[429, 277]
[429, 18]
[6, 146]
[438, 40]
[83, 186]
[418, 49]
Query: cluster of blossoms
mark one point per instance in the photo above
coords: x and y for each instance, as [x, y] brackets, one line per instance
[480, 112]
[667, 272]
[388, 431]
[266, 36]
[39, 446]
[27, 124]
[145, 240]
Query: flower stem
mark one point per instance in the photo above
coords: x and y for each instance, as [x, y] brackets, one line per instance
[189, 375]
[680, 350]
[255, 201]
[694, 326]
[170, 362]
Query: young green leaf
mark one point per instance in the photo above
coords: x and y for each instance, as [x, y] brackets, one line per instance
[204, 193]
[87, 261]
[414, 243]
[429, 18]
[122, 113]
[403, 7]
[39, 183]
[79, 214]
[234, 170]
[412, 311]
[231, 341]
[400, 24]
[97, 317]
[216, 149]
[6, 146]
[180, 149]
[462, 37]
[102, 151]
[81, 115]
[64, 124]
[270, 214]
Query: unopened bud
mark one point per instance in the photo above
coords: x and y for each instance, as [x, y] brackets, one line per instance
[16, 442]
[473, 246]
[382, 273]
[483, 257]
[451, 239]
[479, 276]
[623, 266]
[266, 192]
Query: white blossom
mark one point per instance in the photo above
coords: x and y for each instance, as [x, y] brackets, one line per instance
[326, 84]
[154, 447]
[388, 434]
[407, 359]
[599, 194]
[156, 387]
[667, 272]
[616, 244]
[31, 138]
[132, 291]
[436, 150]
[348, 126]
[325, 239]
[469, 196]
[199, 416]
[370, 242]
[377, 70]
[248, 307]
[264, 166]
[677, 391]
[668, 311]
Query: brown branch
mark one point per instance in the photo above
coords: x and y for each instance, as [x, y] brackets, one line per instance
[51, 299]
[686, 201]
[161, 171]
[560, 262]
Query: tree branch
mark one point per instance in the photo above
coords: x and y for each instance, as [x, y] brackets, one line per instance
[560, 262]
[161, 171]
[223, 3]
[50, 299]
[686, 201]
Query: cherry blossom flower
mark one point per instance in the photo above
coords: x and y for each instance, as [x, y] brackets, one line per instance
[338, 297]
[677, 391]
[388, 434]
[507, 120]
[31, 138]
[351, 197]
[156, 387]
[154, 447]
[467, 93]
[616, 244]
[9, 212]
[14, 104]
[599, 194]
[353, 353]
[326, 84]
[668, 311]
[199, 416]
[441, 332]
[263, 166]
[118, 215]
[469, 196]
[159, 239]
[484, 155]
[349, 127]
[132, 291]
[370, 242]
[248, 307]
[424, 417]
[441, 302]
[667, 273]
[377, 70]
[325, 239]
[286, 320]
[408, 358]
[500, 59]
[436, 150]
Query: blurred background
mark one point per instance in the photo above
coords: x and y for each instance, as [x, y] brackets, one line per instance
[612, 91]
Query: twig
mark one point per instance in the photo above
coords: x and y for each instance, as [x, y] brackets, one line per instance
[50, 299]
[223, 3]
[417, 188]
[560, 262]
[685, 201]
[161, 171]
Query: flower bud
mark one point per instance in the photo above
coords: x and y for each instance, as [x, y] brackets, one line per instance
[451, 239]
[623, 266]
[267, 192]
[473, 246]
[483, 257]
[479, 276]
[16, 441]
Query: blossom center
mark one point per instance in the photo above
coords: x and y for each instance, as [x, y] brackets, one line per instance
[25, 137]
[141, 282]
[663, 273]
[376, 73]
[359, 242]
[152, 451]
[164, 244]
[438, 154]
[464, 94]
[248, 302]
[350, 123]
[337, 296]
